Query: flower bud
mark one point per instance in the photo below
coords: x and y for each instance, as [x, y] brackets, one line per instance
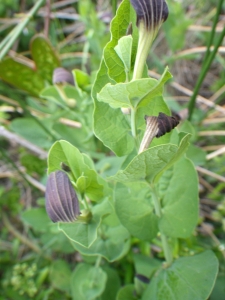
[151, 12]
[61, 200]
[150, 16]
[61, 75]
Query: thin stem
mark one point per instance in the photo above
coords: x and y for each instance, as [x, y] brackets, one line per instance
[85, 203]
[204, 71]
[7, 43]
[114, 7]
[133, 123]
[165, 244]
[98, 261]
[219, 7]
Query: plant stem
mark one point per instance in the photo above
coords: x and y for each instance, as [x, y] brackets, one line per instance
[206, 63]
[158, 210]
[98, 261]
[114, 7]
[133, 123]
[7, 43]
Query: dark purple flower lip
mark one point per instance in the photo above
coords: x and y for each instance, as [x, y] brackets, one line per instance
[62, 204]
[152, 12]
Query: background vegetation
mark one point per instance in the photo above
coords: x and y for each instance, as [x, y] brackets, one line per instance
[36, 260]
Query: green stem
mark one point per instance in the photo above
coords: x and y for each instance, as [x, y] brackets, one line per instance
[144, 43]
[165, 244]
[98, 261]
[7, 43]
[114, 7]
[207, 63]
[218, 11]
[133, 123]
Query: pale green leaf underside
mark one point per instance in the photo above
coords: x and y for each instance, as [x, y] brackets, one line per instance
[133, 94]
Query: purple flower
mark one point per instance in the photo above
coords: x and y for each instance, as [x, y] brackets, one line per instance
[61, 200]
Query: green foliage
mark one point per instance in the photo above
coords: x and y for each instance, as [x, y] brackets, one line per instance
[136, 237]
[31, 80]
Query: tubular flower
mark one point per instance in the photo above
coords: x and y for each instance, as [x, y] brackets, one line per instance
[61, 200]
[150, 16]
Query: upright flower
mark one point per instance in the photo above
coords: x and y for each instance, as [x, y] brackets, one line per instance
[150, 16]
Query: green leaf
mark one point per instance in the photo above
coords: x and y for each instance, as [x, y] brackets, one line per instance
[146, 265]
[82, 80]
[219, 289]
[31, 80]
[118, 29]
[134, 94]
[44, 56]
[60, 275]
[188, 278]
[124, 51]
[196, 155]
[178, 189]
[64, 152]
[112, 284]
[28, 80]
[126, 293]
[84, 234]
[112, 242]
[32, 131]
[134, 208]
[87, 282]
[150, 164]
[37, 218]
[110, 125]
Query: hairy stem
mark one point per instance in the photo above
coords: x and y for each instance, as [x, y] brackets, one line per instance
[165, 244]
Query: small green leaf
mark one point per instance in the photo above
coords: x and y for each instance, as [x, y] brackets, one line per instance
[112, 242]
[126, 293]
[64, 152]
[188, 278]
[84, 234]
[87, 282]
[123, 50]
[134, 94]
[60, 275]
[146, 265]
[28, 80]
[44, 56]
[32, 131]
[112, 284]
[37, 218]
[118, 29]
[134, 208]
[178, 189]
[150, 164]
[82, 80]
